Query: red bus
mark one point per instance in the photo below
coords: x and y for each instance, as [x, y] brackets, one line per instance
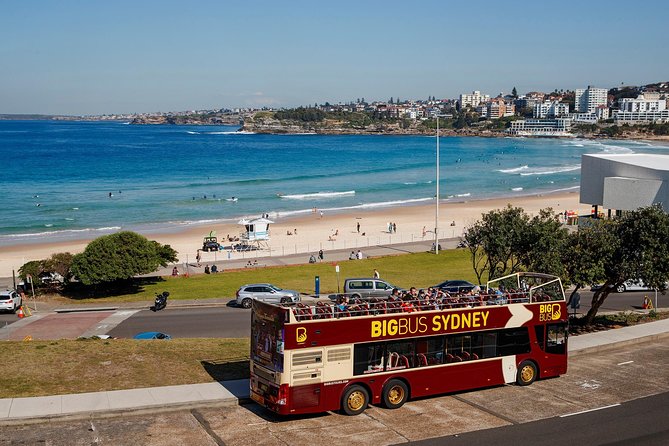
[308, 359]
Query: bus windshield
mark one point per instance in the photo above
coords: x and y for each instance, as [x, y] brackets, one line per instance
[268, 337]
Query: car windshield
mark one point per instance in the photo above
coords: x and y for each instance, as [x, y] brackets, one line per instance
[275, 288]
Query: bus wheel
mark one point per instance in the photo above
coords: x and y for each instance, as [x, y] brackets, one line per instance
[355, 400]
[527, 373]
[395, 394]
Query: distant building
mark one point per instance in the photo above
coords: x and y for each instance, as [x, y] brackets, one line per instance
[587, 100]
[647, 117]
[641, 104]
[541, 127]
[551, 109]
[473, 100]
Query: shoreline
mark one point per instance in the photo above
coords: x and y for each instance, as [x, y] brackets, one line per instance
[311, 232]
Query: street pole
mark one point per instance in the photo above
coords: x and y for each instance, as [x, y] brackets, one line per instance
[436, 216]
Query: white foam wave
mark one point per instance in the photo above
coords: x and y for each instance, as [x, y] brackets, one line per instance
[318, 195]
[243, 132]
[409, 183]
[514, 170]
[61, 232]
[516, 189]
[551, 170]
[192, 133]
[463, 195]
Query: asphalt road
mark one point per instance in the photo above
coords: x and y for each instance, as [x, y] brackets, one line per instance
[588, 405]
[200, 322]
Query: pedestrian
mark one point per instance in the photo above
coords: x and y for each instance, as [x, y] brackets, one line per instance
[175, 272]
[390, 227]
[321, 214]
[359, 255]
[320, 254]
[198, 258]
[376, 274]
[395, 228]
[358, 227]
[424, 231]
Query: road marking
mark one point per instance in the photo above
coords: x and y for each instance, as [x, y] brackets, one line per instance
[589, 410]
[626, 362]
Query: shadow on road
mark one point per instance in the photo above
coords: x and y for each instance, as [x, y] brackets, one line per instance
[224, 371]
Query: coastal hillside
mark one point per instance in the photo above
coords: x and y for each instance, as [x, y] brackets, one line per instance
[212, 118]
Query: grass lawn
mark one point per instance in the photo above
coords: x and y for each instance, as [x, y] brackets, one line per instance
[38, 368]
[419, 269]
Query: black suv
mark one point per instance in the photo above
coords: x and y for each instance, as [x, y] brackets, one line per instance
[210, 244]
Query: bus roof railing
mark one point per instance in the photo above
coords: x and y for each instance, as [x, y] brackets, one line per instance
[530, 288]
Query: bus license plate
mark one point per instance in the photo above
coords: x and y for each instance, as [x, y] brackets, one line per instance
[257, 398]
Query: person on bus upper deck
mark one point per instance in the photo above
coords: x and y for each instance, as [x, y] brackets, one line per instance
[342, 303]
[407, 304]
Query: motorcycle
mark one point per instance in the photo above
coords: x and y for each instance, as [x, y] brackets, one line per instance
[160, 302]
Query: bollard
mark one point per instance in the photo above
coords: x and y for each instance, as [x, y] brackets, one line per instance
[317, 285]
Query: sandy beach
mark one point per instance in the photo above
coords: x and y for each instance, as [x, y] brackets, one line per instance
[311, 232]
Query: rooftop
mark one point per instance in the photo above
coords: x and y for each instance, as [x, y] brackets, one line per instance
[645, 160]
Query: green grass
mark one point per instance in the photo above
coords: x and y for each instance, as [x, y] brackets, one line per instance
[37, 368]
[419, 270]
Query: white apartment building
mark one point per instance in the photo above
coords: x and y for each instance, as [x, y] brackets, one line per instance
[551, 109]
[473, 99]
[659, 116]
[587, 100]
[641, 104]
[541, 127]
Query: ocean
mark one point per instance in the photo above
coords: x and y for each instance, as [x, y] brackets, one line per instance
[79, 180]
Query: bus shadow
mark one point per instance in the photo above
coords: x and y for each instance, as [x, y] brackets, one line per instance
[272, 417]
[226, 370]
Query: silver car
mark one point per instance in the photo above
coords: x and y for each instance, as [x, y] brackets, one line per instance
[265, 292]
[10, 300]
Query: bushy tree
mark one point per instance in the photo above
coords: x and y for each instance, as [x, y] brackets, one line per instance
[120, 256]
[638, 250]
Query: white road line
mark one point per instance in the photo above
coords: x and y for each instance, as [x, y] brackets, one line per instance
[589, 410]
[626, 362]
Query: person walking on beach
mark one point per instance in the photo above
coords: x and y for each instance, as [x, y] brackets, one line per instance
[394, 228]
[198, 258]
[320, 255]
[376, 274]
[358, 227]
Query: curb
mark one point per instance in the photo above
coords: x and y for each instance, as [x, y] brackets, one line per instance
[614, 345]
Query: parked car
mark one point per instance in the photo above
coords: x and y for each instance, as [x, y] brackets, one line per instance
[265, 292]
[630, 285]
[455, 286]
[10, 300]
[364, 288]
[152, 335]
[210, 244]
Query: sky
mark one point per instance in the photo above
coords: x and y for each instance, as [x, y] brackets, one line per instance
[95, 57]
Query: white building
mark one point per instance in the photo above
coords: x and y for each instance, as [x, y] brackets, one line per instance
[473, 99]
[551, 109]
[647, 117]
[625, 181]
[541, 127]
[640, 104]
[587, 100]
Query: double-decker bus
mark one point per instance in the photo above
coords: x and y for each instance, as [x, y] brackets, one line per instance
[308, 359]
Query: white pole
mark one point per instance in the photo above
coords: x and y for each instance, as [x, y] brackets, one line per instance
[436, 216]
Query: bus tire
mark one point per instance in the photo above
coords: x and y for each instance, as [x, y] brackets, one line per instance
[355, 400]
[395, 394]
[527, 373]
[246, 303]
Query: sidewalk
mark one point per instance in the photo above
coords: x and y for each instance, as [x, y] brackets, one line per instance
[226, 393]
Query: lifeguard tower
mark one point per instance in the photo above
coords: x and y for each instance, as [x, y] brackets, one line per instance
[256, 235]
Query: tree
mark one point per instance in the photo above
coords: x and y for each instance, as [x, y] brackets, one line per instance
[391, 100]
[120, 256]
[640, 251]
[514, 92]
[541, 244]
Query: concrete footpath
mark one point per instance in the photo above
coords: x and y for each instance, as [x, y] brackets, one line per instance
[226, 393]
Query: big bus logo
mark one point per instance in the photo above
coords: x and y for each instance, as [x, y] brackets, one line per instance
[549, 312]
[301, 334]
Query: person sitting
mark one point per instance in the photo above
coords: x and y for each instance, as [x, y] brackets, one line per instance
[249, 264]
[175, 272]
[206, 269]
[342, 303]
[214, 268]
[352, 256]
[407, 304]
[312, 259]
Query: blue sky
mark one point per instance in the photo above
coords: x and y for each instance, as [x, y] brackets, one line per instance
[94, 57]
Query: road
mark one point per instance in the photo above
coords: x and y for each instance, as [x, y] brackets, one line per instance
[499, 415]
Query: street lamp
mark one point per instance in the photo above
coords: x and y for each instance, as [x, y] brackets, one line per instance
[436, 214]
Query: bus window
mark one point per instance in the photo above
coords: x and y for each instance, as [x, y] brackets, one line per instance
[367, 358]
[435, 350]
[556, 338]
[513, 341]
[400, 355]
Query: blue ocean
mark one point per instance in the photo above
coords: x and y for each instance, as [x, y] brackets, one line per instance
[76, 180]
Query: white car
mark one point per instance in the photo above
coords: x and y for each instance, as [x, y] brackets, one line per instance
[630, 285]
[10, 300]
[265, 292]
